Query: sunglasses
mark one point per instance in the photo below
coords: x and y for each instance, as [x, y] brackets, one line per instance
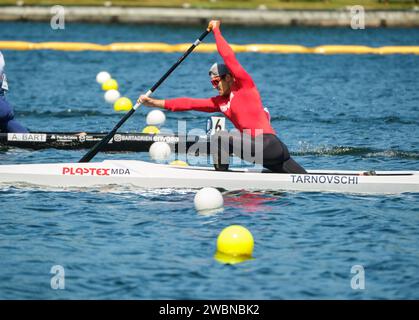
[216, 81]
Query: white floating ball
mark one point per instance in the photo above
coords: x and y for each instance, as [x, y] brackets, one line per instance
[112, 95]
[160, 151]
[103, 76]
[208, 199]
[156, 118]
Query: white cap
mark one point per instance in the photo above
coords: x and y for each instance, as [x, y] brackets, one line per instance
[218, 70]
[2, 63]
[3, 81]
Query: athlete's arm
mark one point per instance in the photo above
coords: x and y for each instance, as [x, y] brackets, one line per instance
[182, 104]
[227, 53]
[185, 104]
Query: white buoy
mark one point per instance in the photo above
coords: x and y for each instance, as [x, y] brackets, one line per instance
[155, 118]
[160, 150]
[208, 199]
[112, 95]
[102, 77]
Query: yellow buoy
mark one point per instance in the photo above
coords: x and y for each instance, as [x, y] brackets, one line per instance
[229, 259]
[151, 130]
[179, 163]
[122, 104]
[235, 240]
[110, 84]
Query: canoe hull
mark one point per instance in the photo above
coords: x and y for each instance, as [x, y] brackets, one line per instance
[149, 175]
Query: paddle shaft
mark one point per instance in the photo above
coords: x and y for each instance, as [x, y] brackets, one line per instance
[99, 146]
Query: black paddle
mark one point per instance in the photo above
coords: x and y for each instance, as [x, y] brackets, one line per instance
[99, 146]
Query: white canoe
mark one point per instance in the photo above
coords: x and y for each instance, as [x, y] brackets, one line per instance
[151, 175]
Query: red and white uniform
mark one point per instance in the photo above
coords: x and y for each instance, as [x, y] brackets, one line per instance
[243, 107]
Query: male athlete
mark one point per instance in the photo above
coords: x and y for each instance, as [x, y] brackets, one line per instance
[240, 102]
[7, 122]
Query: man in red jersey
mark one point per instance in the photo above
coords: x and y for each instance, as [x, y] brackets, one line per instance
[240, 102]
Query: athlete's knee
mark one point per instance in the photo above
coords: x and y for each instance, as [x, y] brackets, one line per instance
[220, 147]
[220, 139]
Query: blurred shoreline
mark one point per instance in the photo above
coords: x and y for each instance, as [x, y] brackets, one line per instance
[190, 16]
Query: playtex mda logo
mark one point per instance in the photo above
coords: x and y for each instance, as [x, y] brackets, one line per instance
[86, 171]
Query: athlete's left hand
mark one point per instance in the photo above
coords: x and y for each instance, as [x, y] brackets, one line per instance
[150, 102]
